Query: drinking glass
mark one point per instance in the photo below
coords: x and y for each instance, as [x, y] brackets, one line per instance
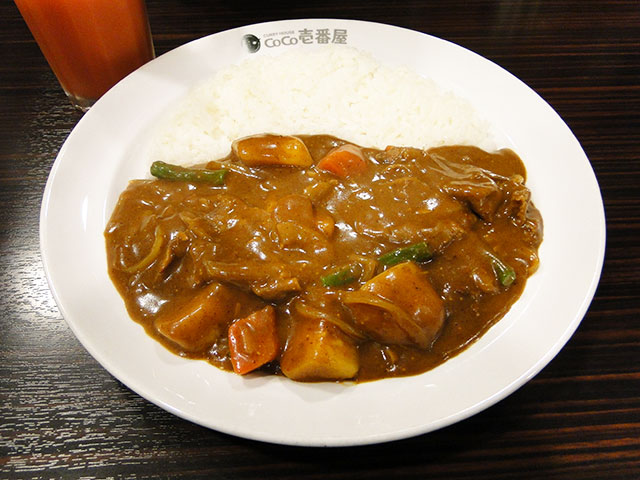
[90, 44]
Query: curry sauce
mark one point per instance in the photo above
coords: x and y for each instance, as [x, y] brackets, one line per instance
[350, 264]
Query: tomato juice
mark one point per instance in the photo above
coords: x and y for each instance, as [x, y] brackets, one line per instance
[89, 44]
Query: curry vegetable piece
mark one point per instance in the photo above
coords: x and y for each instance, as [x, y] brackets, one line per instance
[342, 276]
[200, 320]
[152, 255]
[344, 161]
[253, 340]
[505, 274]
[398, 306]
[315, 312]
[419, 252]
[167, 171]
[262, 150]
[318, 350]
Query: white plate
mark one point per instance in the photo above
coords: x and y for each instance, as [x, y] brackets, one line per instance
[102, 153]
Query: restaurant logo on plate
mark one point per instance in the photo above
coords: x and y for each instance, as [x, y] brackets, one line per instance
[305, 36]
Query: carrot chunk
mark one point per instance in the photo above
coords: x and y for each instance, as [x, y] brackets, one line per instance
[344, 161]
[253, 340]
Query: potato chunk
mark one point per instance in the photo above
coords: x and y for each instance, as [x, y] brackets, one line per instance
[318, 351]
[283, 150]
[199, 322]
[398, 306]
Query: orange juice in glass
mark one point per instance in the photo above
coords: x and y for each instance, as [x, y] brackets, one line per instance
[89, 44]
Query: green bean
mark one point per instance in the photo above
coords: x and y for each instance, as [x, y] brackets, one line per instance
[419, 252]
[505, 274]
[167, 171]
[341, 277]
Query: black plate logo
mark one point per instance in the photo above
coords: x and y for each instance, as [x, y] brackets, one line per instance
[251, 43]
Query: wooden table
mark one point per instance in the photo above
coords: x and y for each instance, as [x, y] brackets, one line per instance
[63, 416]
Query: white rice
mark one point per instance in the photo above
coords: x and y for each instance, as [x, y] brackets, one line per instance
[335, 90]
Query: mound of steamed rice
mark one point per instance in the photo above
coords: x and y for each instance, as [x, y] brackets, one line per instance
[335, 90]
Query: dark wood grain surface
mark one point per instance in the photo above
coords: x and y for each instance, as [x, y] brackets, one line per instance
[63, 416]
